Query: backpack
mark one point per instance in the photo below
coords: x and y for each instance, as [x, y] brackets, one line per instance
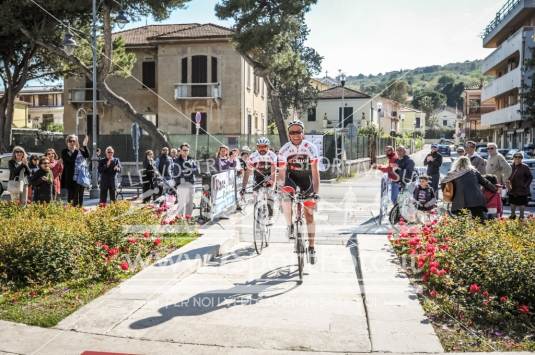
[448, 191]
[81, 172]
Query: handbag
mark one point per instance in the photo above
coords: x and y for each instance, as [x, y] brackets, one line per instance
[16, 186]
[81, 172]
[448, 192]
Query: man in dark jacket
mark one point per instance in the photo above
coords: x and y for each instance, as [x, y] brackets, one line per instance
[185, 169]
[108, 169]
[405, 169]
[433, 161]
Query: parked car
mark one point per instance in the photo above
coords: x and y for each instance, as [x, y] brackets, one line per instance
[503, 151]
[483, 152]
[531, 164]
[529, 150]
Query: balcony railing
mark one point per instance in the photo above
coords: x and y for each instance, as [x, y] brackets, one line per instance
[503, 84]
[81, 95]
[475, 111]
[185, 91]
[500, 15]
[508, 48]
[508, 114]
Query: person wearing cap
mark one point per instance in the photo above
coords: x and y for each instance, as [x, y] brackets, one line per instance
[433, 161]
[518, 185]
[475, 159]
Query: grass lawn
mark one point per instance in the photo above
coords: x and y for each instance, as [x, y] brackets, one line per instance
[47, 305]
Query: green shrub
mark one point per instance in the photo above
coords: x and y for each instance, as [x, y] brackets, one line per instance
[42, 244]
[481, 272]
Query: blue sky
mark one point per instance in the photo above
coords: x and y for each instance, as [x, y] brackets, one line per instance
[372, 36]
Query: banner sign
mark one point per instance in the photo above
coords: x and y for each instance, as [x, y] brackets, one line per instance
[317, 140]
[223, 192]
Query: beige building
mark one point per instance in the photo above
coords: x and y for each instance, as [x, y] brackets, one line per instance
[181, 69]
[411, 120]
[389, 114]
[38, 107]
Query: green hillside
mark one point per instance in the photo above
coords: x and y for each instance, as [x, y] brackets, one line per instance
[420, 79]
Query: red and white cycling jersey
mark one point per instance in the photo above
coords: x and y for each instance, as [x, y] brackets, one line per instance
[298, 159]
[262, 162]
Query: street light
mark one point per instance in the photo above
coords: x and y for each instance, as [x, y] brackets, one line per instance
[69, 45]
[121, 19]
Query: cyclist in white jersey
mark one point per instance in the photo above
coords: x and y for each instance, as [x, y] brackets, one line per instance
[299, 160]
[264, 164]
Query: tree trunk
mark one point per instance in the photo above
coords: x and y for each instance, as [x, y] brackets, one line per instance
[278, 116]
[6, 117]
[115, 100]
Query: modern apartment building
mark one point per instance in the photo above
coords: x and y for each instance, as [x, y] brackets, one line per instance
[511, 32]
[181, 69]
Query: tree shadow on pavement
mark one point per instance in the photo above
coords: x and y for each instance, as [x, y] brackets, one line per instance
[241, 294]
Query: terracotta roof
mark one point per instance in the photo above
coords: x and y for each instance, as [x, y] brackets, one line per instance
[336, 93]
[147, 35]
[208, 30]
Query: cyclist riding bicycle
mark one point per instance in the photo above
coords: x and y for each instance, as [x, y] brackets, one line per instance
[263, 162]
[298, 160]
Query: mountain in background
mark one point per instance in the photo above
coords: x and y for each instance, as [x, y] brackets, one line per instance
[449, 80]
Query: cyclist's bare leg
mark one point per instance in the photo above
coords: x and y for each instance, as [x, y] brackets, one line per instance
[286, 204]
[311, 226]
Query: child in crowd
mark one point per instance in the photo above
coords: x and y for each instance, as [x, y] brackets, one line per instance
[494, 199]
[424, 194]
[42, 181]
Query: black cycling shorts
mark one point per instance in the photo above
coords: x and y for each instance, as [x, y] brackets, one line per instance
[304, 182]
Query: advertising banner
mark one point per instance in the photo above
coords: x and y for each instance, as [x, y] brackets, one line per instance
[223, 187]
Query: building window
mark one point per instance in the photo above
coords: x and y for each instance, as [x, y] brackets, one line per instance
[199, 74]
[347, 117]
[148, 75]
[43, 100]
[263, 84]
[256, 85]
[184, 70]
[214, 70]
[417, 123]
[444, 123]
[311, 114]
[256, 121]
[248, 76]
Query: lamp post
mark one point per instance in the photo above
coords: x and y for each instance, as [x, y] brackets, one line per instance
[70, 45]
[343, 117]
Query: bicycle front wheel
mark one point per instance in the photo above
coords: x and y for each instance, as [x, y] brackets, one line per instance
[300, 250]
[260, 226]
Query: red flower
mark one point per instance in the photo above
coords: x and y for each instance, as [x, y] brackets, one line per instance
[433, 270]
[414, 241]
[425, 278]
[102, 204]
[401, 222]
[524, 309]
[430, 248]
[474, 288]
[146, 234]
[132, 240]
[105, 247]
[485, 294]
[113, 251]
[188, 216]
[433, 293]
[421, 264]
[444, 247]
[157, 241]
[433, 240]
[486, 302]
[124, 265]
[442, 272]
[434, 264]
[504, 299]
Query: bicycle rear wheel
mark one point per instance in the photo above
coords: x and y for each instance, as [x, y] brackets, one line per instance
[395, 215]
[260, 226]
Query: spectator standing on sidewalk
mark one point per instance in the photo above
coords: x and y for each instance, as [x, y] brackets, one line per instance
[467, 182]
[33, 165]
[148, 176]
[57, 169]
[405, 167]
[75, 192]
[185, 180]
[108, 167]
[475, 159]
[222, 160]
[497, 165]
[433, 161]
[518, 185]
[42, 182]
[19, 170]
[389, 169]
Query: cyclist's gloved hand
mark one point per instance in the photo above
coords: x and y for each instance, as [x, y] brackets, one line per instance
[315, 196]
[269, 183]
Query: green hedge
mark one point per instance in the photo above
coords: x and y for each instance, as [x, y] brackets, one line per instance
[42, 244]
[482, 273]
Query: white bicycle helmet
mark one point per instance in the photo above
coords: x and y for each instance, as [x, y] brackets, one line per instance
[263, 141]
[296, 122]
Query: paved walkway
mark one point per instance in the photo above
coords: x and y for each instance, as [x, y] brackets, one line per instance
[353, 300]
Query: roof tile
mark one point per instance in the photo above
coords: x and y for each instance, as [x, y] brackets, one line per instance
[336, 93]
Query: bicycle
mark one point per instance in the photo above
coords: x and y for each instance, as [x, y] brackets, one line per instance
[299, 201]
[261, 230]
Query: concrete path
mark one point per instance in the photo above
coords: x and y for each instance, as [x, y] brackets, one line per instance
[353, 300]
